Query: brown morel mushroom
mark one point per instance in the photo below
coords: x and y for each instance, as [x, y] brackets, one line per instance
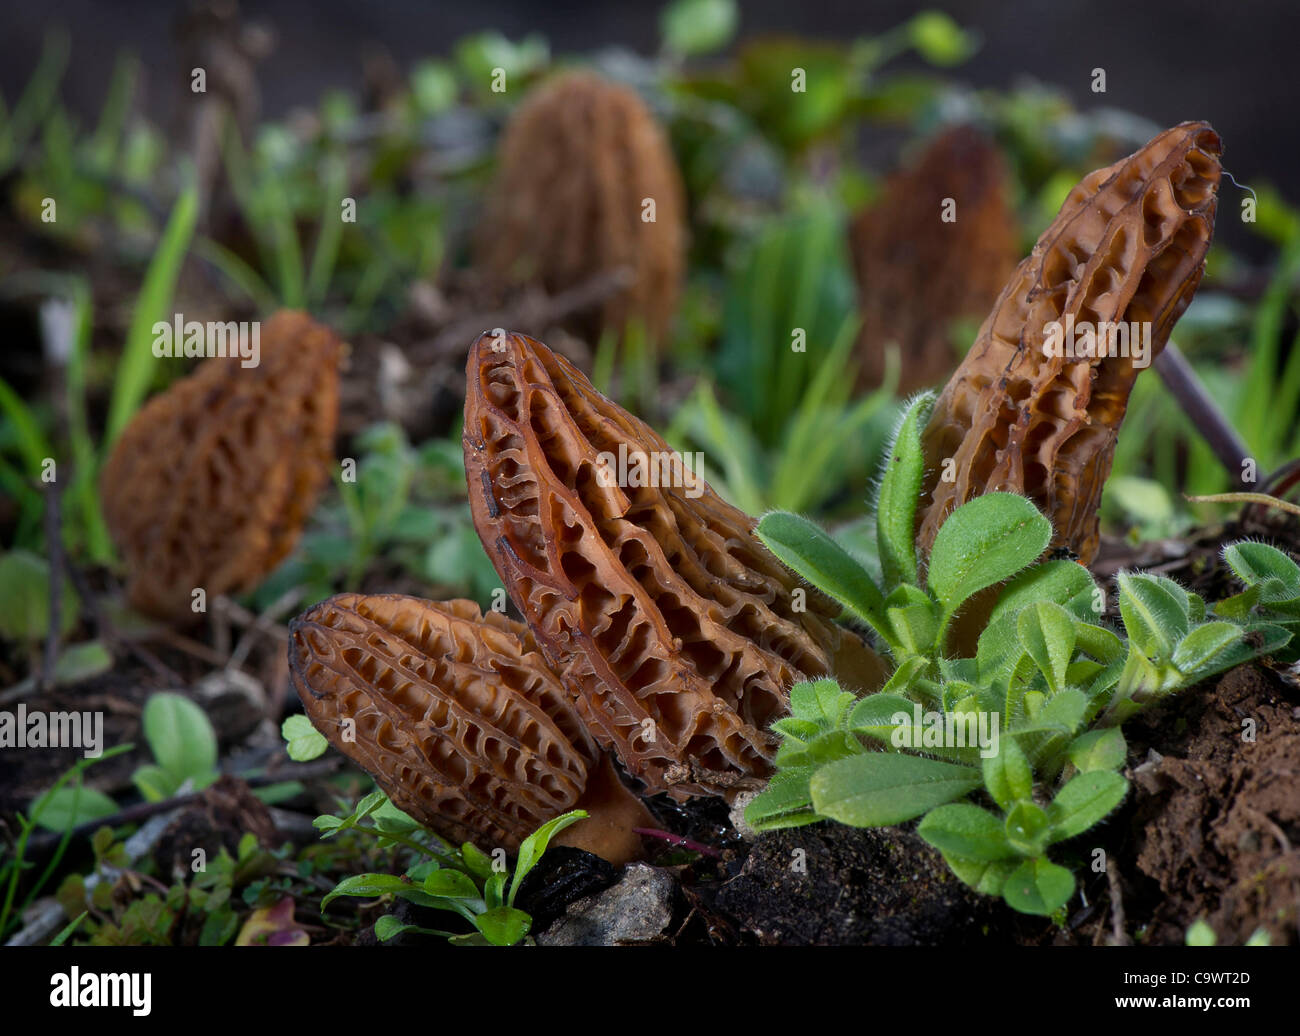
[917, 272]
[210, 483]
[676, 629]
[1029, 410]
[459, 719]
[580, 164]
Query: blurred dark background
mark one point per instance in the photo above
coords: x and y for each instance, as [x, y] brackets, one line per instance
[1233, 64]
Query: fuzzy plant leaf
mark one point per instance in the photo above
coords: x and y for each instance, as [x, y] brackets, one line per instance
[806, 549]
[879, 788]
[984, 542]
[1099, 750]
[900, 489]
[966, 831]
[1258, 562]
[1155, 618]
[1046, 631]
[1060, 582]
[1039, 887]
[1008, 776]
[786, 802]
[1084, 801]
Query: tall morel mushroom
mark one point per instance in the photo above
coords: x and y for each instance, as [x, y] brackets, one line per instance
[210, 483]
[1127, 248]
[677, 631]
[581, 165]
[918, 272]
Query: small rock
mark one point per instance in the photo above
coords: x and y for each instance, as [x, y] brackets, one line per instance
[737, 815]
[636, 910]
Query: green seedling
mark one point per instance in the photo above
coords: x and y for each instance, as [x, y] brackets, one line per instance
[1004, 755]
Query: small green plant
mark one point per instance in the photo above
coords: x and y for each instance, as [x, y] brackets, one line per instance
[464, 881]
[1017, 749]
[184, 747]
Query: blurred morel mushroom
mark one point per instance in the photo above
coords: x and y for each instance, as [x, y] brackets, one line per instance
[210, 483]
[459, 719]
[1036, 406]
[921, 267]
[587, 185]
[657, 606]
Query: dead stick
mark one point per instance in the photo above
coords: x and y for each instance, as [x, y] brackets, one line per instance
[54, 544]
[1184, 385]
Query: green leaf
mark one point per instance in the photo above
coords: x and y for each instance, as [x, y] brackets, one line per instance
[874, 715]
[811, 553]
[796, 729]
[1046, 631]
[1154, 617]
[785, 802]
[1102, 644]
[983, 542]
[966, 831]
[915, 627]
[1066, 583]
[535, 845]
[984, 876]
[66, 931]
[494, 890]
[1257, 562]
[477, 862]
[503, 926]
[1099, 750]
[1027, 828]
[304, 742]
[1008, 777]
[819, 701]
[62, 809]
[370, 886]
[900, 490]
[1065, 710]
[939, 39]
[692, 27]
[1205, 645]
[136, 368]
[879, 789]
[180, 735]
[451, 884]
[1038, 887]
[25, 598]
[1201, 934]
[1085, 801]
[155, 783]
[78, 662]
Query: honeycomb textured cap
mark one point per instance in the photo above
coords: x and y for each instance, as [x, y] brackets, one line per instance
[657, 605]
[576, 164]
[210, 483]
[918, 274]
[1128, 247]
[457, 716]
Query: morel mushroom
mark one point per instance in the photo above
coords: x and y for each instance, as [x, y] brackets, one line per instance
[1034, 408]
[918, 272]
[652, 598]
[459, 720]
[210, 483]
[581, 164]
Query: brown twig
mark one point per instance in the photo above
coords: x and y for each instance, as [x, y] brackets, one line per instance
[1206, 417]
[1118, 936]
[54, 544]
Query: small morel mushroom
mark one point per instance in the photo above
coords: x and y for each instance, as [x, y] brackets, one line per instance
[918, 271]
[586, 184]
[1035, 408]
[458, 718]
[210, 483]
[679, 633]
